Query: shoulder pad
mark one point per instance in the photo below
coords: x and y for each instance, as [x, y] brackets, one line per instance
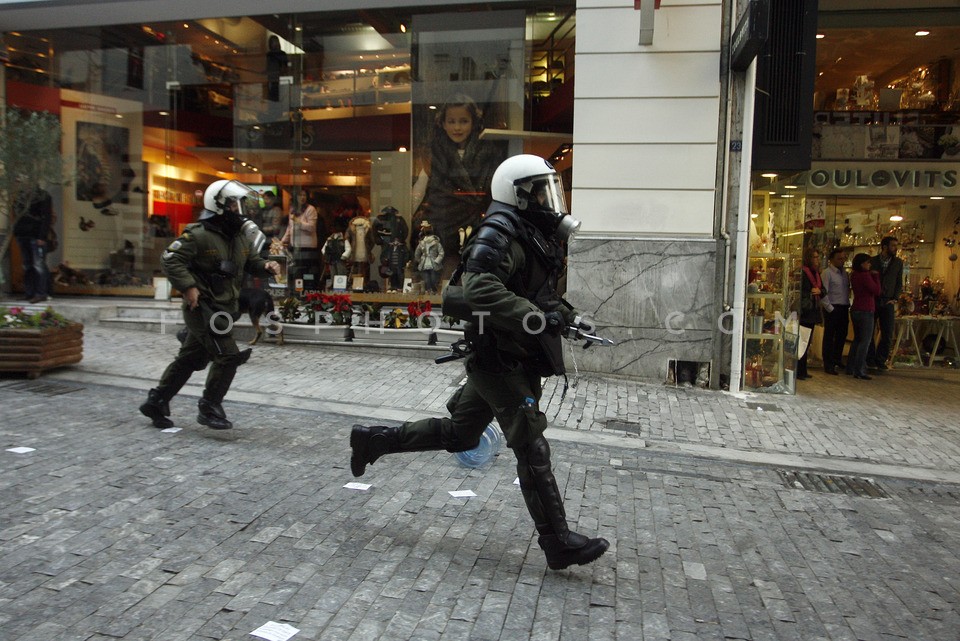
[501, 221]
[487, 249]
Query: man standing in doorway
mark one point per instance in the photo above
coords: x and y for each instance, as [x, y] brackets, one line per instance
[891, 284]
[836, 310]
[35, 215]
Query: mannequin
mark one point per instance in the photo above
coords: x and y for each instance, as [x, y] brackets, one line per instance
[336, 249]
[428, 258]
[360, 235]
[393, 259]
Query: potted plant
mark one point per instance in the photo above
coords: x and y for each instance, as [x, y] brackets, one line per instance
[316, 316]
[397, 325]
[33, 342]
[950, 144]
[30, 153]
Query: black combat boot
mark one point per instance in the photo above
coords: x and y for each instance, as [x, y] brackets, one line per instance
[212, 415]
[562, 547]
[370, 443]
[576, 549]
[157, 409]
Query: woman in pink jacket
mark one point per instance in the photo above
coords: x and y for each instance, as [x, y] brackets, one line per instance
[866, 288]
[301, 238]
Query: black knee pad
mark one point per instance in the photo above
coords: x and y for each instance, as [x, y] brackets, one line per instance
[535, 453]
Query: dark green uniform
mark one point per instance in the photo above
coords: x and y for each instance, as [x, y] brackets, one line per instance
[508, 295]
[505, 368]
[205, 258]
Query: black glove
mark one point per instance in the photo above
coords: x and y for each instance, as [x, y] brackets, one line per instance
[554, 323]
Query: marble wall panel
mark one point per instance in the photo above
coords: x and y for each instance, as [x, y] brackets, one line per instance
[655, 297]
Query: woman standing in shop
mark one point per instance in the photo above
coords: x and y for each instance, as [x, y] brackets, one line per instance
[810, 290]
[301, 237]
[866, 288]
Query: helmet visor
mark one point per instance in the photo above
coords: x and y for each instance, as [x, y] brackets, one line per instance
[246, 198]
[543, 192]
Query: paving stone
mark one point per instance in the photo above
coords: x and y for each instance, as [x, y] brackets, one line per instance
[114, 528]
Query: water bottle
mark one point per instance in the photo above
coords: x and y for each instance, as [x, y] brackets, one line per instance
[489, 447]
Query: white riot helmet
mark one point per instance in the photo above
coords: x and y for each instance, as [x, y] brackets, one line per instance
[531, 185]
[219, 194]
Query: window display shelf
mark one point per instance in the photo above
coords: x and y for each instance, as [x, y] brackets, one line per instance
[769, 356]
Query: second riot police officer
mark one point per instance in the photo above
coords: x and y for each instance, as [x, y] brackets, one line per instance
[508, 295]
[207, 264]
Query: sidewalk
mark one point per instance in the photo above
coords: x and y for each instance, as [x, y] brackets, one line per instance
[111, 529]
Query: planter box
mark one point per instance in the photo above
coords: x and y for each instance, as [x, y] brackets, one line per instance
[323, 332]
[34, 351]
[387, 336]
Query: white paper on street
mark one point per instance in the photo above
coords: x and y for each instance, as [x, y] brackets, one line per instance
[462, 494]
[363, 487]
[21, 450]
[273, 631]
[516, 481]
[172, 430]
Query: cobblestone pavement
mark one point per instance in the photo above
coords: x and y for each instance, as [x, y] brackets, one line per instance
[111, 529]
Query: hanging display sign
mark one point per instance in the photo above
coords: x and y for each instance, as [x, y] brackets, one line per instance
[815, 213]
[865, 178]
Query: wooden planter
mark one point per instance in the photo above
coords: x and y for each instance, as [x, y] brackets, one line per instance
[34, 351]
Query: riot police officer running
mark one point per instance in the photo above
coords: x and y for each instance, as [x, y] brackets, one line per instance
[207, 263]
[508, 294]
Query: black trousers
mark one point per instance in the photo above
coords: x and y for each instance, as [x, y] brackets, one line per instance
[835, 327]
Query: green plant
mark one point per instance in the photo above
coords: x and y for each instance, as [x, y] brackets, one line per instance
[396, 319]
[19, 318]
[30, 156]
[289, 309]
[336, 307]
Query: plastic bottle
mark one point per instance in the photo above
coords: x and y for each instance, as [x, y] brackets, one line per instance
[490, 442]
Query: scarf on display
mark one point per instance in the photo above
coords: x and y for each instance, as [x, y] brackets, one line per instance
[814, 279]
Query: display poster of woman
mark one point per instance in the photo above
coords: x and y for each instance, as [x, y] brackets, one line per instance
[453, 193]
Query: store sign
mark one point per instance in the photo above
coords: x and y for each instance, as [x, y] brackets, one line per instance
[914, 179]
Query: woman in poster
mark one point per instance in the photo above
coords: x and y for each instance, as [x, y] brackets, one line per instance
[457, 191]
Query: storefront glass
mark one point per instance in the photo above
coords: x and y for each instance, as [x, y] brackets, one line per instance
[346, 108]
[885, 164]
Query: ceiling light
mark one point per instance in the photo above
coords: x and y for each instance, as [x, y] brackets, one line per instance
[922, 32]
[402, 150]
[790, 187]
[164, 113]
[403, 28]
[298, 28]
[754, 215]
[820, 36]
[787, 196]
[769, 175]
[896, 218]
[936, 197]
